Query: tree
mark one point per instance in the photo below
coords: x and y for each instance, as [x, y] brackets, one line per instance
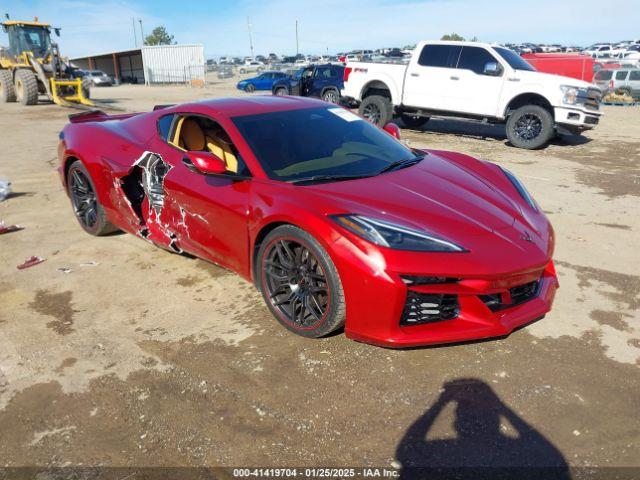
[453, 36]
[159, 36]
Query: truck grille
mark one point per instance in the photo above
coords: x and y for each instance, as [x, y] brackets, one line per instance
[519, 294]
[592, 101]
[423, 308]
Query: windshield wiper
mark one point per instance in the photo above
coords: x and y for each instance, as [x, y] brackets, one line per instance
[398, 164]
[326, 178]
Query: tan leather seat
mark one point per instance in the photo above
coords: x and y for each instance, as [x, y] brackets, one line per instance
[217, 145]
[192, 136]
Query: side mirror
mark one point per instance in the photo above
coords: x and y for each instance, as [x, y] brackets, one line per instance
[393, 130]
[205, 163]
[492, 69]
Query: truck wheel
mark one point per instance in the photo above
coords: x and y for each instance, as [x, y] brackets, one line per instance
[413, 121]
[7, 89]
[26, 87]
[377, 109]
[530, 127]
[331, 95]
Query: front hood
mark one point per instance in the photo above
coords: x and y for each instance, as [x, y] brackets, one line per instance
[549, 79]
[444, 198]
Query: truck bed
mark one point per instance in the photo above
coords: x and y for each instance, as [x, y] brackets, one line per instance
[363, 73]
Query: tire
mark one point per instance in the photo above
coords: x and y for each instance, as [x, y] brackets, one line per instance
[413, 121]
[26, 87]
[7, 88]
[281, 92]
[242, 70]
[86, 90]
[530, 127]
[94, 223]
[377, 109]
[250, 88]
[331, 95]
[306, 297]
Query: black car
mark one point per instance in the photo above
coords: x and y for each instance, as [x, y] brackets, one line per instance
[320, 81]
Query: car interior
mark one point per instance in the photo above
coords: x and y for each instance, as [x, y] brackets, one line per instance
[200, 134]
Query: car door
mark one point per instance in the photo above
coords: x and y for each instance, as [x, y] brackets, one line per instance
[478, 83]
[206, 215]
[320, 79]
[634, 83]
[431, 76]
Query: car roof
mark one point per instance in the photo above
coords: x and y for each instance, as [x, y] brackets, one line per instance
[254, 105]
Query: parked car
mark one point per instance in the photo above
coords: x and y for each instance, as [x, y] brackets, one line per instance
[320, 81]
[98, 78]
[225, 71]
[251, 66]
[603, 79]
[333, 220]
[599, 51]
[478, 81]
[627, 82]
[264, 81]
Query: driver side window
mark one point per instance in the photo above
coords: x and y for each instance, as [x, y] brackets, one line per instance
[198, 133]
[475, 59]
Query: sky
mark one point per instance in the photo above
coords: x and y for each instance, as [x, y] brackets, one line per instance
[325, 26]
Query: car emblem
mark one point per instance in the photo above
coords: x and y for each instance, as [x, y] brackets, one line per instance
[526, 237]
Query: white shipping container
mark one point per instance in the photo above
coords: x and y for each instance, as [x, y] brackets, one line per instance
[173, 63]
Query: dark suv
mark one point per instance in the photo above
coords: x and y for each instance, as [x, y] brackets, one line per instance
[321, 81]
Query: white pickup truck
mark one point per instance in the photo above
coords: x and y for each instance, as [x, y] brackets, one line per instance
[475, 81]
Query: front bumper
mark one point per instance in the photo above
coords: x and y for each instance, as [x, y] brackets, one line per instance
[576, 120]
[377, 301]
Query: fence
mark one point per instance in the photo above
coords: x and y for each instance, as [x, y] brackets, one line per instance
[189, 74]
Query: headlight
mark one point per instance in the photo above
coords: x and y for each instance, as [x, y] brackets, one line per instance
[573, 95]
[394, 236]
[519, 186]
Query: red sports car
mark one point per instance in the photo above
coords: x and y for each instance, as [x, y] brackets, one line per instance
[334, 220]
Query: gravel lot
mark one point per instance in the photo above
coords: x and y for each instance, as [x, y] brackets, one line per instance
[138, 357]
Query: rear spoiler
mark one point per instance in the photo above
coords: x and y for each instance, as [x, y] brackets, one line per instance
[98, 116]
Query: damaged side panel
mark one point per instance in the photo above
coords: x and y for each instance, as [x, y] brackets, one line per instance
[153, 212]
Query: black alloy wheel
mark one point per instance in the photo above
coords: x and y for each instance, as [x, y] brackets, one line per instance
[83, 198]
[300, 283]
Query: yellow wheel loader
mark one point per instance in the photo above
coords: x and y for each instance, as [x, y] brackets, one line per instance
[32, 66]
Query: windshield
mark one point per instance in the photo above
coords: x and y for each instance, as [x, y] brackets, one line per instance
[34, 39]
[327, 141]
[514, 60]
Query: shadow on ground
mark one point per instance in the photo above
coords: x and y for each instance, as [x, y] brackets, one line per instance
[491, 440]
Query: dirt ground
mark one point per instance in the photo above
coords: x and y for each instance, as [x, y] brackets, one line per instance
[138, 357]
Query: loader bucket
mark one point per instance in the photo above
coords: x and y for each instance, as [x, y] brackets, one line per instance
[76, 97]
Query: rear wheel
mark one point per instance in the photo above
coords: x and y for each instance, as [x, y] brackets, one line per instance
[84, 200]
[377, 109]
[300, 283]
[7, 88]
[413, 121]
[530, 127]
[26, 87]
[249, 88]
[331, 95]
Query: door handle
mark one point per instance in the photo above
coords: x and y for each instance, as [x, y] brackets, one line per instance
[415, 74]
[454, 78]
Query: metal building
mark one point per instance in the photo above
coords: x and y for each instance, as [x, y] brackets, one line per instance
[150, 64]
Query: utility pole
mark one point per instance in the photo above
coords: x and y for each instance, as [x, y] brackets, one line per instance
[135, 37]
[250, 38]
[297, 49]
[141, 32]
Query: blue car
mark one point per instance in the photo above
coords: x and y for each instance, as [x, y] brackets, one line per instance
[320, 81]
[264, 81]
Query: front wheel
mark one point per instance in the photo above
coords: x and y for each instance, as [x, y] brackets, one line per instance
[281, 92]
[530, 127]
[377, 109]
[249, 88]
[300, 283]
[26, 86]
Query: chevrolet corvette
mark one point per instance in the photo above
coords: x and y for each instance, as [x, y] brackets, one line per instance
[335, 221]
